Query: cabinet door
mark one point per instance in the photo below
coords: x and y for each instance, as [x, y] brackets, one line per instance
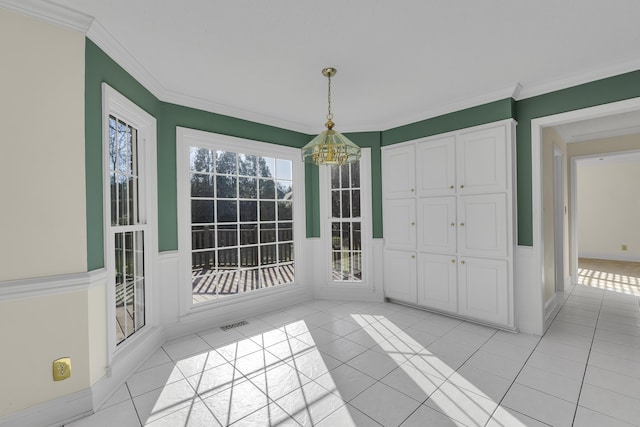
[437, 283]
[483, 289]
[482, 225]
[399, 222]
[437, 224]
[436, 167]
[482, 161]
[398, 171]
[400, 276]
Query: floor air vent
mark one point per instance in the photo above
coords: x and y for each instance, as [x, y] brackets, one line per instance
[234, 325]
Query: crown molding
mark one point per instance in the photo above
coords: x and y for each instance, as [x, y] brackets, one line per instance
[50, 12]
[237, 113]
[116, 51]
[496, 95]
[541, 88]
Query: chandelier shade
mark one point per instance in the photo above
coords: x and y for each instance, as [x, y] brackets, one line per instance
[330, 147]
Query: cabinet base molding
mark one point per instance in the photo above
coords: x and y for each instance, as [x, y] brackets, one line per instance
[455, 316]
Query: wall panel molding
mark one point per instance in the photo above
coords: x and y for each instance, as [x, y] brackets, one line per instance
[51, 285]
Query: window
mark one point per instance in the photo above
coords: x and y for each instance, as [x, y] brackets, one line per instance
[346, 229]
[127, 230]
[129, 137]
[346, 223]
[240, 215]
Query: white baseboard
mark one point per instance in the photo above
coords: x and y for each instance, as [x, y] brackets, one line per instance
[610, 256]
[550, 306]
[236, 311]
[124, 364]
[55, 412]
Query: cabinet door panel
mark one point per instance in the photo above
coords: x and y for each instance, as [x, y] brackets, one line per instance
[482, 161]
[482, 225]
[437, 282]
[483, 290]
[400, 276]
[436, 167]
[437, 224]
[398, 170]
[399, 224]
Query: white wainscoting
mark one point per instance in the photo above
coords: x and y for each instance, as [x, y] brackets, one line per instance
[528, 291]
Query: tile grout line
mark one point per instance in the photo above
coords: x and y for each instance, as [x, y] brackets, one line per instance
[586, 366]
[527, 359]
[133, 403]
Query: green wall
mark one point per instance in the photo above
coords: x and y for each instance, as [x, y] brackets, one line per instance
[618, 88]
[478, 115]
[100, 68]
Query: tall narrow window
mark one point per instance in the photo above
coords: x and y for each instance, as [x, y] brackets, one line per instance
[127, 229]
[346, 223]
[238, 219]
[129, 209]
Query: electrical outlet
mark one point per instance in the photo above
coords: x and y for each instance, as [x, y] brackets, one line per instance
[61, 369]
[624, 247]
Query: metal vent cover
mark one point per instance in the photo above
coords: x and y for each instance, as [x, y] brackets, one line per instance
[234, 325]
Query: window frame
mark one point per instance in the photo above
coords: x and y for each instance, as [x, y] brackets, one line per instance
[116, 104]
[185, 138]
[367, 281]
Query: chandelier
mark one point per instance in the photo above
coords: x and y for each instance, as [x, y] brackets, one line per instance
[330, 147]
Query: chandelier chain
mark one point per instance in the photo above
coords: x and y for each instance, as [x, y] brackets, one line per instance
[329, 114]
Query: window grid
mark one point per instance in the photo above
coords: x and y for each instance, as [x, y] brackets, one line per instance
[244, 213]
[127, 229]
[346, 223]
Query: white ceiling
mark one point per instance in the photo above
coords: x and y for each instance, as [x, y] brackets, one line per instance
[398, 61]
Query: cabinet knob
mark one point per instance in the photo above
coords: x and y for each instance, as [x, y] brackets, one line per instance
[451, 187]
[462, 186]
[453, 224]
[413, 257]
[453, 261]
[462, 224]
[412, 190]
[413, 223]
[461, 262]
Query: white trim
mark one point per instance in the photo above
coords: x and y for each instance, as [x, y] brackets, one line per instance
[121, 55]
[536, 181]
[550, 306]
[366, 214]
[125, 362]
[116, 51]
[51, 285]
[559, 163]
[54, 412]
[552, 85]
[632, 130]
[235, 112]
[526, 292]
[573, 212]
[506, 92]
[235, 310]
[50, 12]
[185, 137]
[610, 256]
[115, 103]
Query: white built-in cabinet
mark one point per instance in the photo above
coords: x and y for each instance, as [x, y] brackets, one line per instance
[448, 223]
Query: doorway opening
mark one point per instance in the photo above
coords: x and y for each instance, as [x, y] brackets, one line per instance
[567, 252]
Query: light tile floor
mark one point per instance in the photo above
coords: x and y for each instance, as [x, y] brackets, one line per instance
[328, 363]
